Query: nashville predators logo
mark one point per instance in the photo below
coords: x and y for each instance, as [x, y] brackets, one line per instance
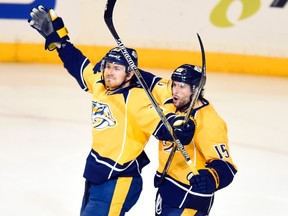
[102, 116]
[167, 146]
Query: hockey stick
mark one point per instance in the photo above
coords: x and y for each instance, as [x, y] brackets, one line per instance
[189, 112]
[108, 14]
[202, 82]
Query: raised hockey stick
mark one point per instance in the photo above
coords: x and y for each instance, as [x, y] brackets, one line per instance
[108, 14]
[195, 97]
[202, 82]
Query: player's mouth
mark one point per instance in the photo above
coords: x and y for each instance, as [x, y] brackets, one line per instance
[109, 78]
[175, 99]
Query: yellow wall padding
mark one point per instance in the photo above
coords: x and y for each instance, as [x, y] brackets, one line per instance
[155, 58]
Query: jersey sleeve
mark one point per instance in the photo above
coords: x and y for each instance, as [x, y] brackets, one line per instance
[161, 91]
[76, 63]
[212, 141]
[159, 87]
[161, 132]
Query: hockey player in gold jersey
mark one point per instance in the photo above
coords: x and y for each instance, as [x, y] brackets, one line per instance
[179, 194]
[123, 119]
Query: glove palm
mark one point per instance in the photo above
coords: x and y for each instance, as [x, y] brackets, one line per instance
[49, 25]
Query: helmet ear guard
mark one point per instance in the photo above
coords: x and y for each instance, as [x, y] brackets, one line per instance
[116, 57]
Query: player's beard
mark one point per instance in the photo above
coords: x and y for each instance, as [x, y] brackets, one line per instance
[112, 83]
[181, 104]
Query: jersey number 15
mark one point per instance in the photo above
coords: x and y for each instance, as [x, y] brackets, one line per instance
[221, 151]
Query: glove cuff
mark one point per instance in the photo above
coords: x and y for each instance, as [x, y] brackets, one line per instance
[54, 38]
[59, 35]
[214, 173]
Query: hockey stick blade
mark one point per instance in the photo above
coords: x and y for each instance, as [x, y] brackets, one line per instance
[201, 85]
[108, 18]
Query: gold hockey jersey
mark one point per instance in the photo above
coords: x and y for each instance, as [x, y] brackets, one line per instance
[208, 149]
[122, 120]
[122, 123]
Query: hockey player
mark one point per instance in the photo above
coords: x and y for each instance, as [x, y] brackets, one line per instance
[123, 119]
[179, 194]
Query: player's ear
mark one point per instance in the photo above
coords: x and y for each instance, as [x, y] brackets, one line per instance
[130, 75]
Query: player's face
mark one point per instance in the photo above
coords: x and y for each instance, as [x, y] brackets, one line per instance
[181, 93]
[114, 75]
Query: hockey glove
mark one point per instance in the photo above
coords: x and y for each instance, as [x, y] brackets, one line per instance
[49, 25]
[203, 183]
[183, 132]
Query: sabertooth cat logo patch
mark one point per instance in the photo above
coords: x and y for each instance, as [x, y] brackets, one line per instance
[102, 116]
[167, 146]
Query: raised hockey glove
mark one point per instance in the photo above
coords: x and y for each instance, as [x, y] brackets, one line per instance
[203, 183]
[49, 25]
[183, 132]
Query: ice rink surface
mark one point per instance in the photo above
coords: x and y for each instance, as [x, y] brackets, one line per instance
[45, 138]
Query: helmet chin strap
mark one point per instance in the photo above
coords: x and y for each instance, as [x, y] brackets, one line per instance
[125, 81]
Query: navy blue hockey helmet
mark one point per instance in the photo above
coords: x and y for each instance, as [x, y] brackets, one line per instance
[116, 57]
[189, 74]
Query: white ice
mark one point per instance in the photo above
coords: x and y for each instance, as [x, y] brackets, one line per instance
[45, 138]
